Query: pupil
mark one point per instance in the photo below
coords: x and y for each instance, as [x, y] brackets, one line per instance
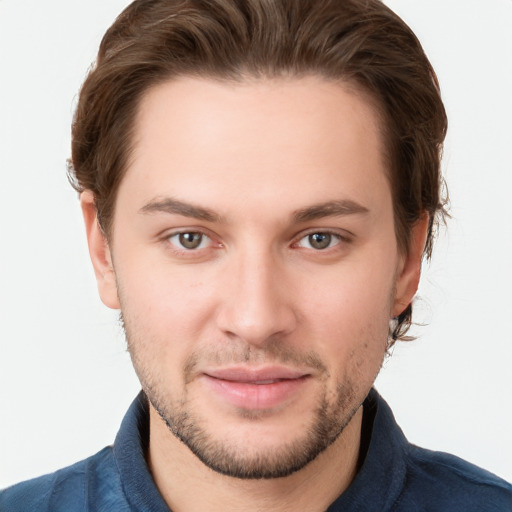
[320, 240]
[190, 240]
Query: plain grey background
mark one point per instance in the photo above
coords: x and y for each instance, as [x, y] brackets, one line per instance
[65, 378]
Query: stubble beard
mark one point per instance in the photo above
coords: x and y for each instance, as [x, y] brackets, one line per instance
[327, 422]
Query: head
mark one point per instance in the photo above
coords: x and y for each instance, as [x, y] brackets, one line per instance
[362, 44]
[164, 65]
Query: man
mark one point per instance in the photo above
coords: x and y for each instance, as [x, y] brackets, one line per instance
[260, 181]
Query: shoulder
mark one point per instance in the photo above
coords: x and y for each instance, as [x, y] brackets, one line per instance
[440, 481]
[70, 489]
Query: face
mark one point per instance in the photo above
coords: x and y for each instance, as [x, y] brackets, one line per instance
[255, 262]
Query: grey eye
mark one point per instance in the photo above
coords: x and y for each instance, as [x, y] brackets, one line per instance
[320, 240]
[190, 240]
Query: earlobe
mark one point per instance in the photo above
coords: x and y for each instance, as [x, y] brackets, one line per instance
[99, 252]
[409, 274]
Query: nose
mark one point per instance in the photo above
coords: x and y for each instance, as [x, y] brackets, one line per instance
[257, 302]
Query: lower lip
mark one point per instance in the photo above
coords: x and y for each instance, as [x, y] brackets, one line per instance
[256, 396]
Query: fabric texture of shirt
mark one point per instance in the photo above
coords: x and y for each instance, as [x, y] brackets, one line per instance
[394, 476]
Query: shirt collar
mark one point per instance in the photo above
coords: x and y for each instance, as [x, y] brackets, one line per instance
[380, 479]
[375, 488]
[130, 449]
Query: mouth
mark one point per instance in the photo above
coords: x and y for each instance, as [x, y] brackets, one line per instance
[256, 389]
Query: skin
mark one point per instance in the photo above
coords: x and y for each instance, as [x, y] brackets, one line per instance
[282, 185]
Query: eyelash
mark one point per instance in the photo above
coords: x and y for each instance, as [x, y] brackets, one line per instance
[340, 239]
[181, 250]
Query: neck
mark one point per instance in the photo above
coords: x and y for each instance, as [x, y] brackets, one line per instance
[178, 474]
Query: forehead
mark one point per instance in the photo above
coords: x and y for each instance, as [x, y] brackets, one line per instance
[285, 140]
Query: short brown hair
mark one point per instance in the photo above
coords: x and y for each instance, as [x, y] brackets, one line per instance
[359, 42]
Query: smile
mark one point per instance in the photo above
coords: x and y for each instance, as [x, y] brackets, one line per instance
[255, 389]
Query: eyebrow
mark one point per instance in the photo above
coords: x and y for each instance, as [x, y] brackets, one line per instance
[329, 209]
[174, 206]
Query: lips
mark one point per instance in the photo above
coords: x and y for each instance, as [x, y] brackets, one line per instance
[255, 375]
[255, 389]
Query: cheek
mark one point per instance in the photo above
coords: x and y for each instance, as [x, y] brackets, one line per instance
[350, 316]
[165, 304]
[351, 298]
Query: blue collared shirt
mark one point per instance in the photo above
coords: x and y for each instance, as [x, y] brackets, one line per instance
[395, 476]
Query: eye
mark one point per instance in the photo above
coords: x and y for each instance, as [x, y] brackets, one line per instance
[189, 240]
[319, 241]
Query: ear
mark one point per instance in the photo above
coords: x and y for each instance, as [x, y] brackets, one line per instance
[99, 252]
[409, 270]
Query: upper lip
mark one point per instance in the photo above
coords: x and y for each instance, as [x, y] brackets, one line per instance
[247, 375]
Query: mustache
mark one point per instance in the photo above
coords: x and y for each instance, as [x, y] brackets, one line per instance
[241, 353]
